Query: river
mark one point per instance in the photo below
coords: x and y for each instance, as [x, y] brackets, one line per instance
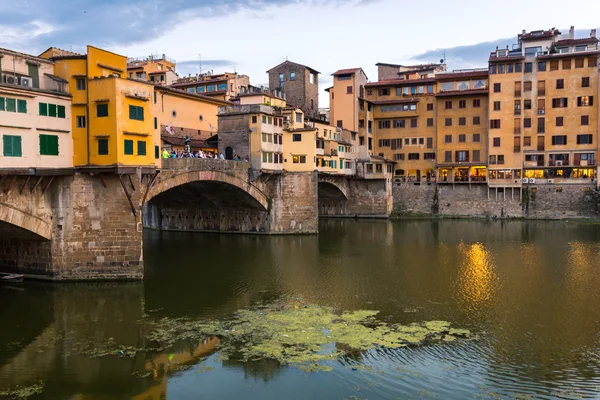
[527, 291]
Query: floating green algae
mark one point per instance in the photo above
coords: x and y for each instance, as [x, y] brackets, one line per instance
[305, 336]
[23, 392]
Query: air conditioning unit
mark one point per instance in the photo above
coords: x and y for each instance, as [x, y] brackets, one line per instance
[541, 111]
[550, 180]
[26, 81]
[11, 80]
[531, 180]
[559, 163]
[525, 180]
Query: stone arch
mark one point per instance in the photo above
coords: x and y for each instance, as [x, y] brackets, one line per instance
[330, 186]
[21, 219]
[164, 185]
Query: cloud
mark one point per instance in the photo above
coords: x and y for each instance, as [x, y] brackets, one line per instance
[476, 55]
[35, 25]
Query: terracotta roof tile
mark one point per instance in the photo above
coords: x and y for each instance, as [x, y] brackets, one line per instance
[346, 71]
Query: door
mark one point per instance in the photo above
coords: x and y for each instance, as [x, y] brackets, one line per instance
[228, 153]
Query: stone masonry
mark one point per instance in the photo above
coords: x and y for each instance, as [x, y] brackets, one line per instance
[299, 92]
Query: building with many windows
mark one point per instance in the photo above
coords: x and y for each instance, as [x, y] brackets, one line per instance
[225, 86]
[156, 68]
[35, 114]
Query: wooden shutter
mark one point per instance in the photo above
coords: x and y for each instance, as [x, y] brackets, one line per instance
[141, 145]
[11, 105]
[52, 110]
[430, 143]
[44, 109]
[7, 145]
[33, 72]
[61, 112]
[128, 147]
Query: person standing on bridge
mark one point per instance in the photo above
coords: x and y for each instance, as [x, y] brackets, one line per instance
[165, 153]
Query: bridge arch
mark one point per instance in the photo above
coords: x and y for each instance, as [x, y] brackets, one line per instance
[25, 222]
[330, 188]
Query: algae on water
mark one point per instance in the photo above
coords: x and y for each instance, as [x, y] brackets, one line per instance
[23, 392]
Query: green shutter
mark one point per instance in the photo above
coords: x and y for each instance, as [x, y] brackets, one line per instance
[154, 97]
[16, 141]
[52, 110]
[22, 106]
[141, 148]
[102, 147]
[61, 112]
[102, 110]
[129, 147]
[131, 112]
[1, 103]
[155, 123]
[34, 73]
[11, 105]
[141, 113]
[48, 145]
[44, 109]
[156, 152]
[7, 145]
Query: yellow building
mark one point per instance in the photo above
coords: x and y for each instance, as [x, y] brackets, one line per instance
[462, 109]
[111, 115]
[543, 119]
[158, 69]
[404, 125]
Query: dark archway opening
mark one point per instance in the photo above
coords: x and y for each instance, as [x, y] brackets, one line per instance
[22, 251]
[228, 153]
[332, 201]
[206, 206]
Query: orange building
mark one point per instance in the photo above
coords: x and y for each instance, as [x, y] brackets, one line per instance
[158, 69]
[226, 86]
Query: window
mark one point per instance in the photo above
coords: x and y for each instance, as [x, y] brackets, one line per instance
[559, 121]
[384, 92]
[155, 97]
[462, 121]
[22, 107]
[141, 148]
[462, 104]
[559, 140]
[447, 156]
[11, 146]
[516, 144]
[495, 124]
[476, 103]
[102, 147]
[496, 106]
[497, 88]
[297, 137]
[136, 113]
[413, 156]
[496, 142]
[527, 122]
[541, 66]
[157, 152]
[339, 123]
[429, 143]
[128, 147]
[292, 76]
[517, 124]
[540, 143]
[429, 121]
[384, 142]
[560, 83]
[299, 117]
[448, 139]
[518, 89]
[101, 110]
[446, 86]
[509, 68]
[399, 123]
[517, 107]
[399, 156]
[584, 139]
[222, 86]
[462, 156]
[528, 67]
[541, 106]
[541, 88]
[541, 128]
[554, 65]
[585, 101]
[527, 104]
[211, 88]
[493, 160]
[448, 122]
[270, 120]
[527, 141]
[80, 121]
[492, 69]
[349, 90]
[500, 159]
[448, 105]
[254, 119]
[518, 67]
[48, 145]
[384, 124]
[476, 138]
[312, 78]
[585, 81]
[592, 61]
[413, 123]
[80, 83]
[579, 62]
[462, 138]
[200, 89]
[560, 102]
[527, 86]
[413, 141]
[428, 156]
[430, 107]
[585, 120]
[567, 64]
[281, 78]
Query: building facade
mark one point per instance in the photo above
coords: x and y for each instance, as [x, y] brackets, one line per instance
[35, 114]
[156, 68]
[226, 86]
[300, 85]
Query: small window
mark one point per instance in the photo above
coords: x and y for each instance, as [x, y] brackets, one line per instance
[141, 148]
[448, 105]
[560, 83]
[429, 121]
[496, 142]
[156, 152]
[497, 88]
[462, 121]
[528, 67]
[476, 120]
[462, 104]
[80, 121]
[155, 123]
[495, 124]
[299, 117]
[136, 113]
[12, 146]
[102, 147]
[447, 138]
[297, 137]
[462, 138]
[476, 103]
[585, 139]
[448, 122]
[585, 81]
[526, 122]
[585, 120]
[349, 90]
[80, 83]
[292, 76]
[61, 111]
[542, 66]
[22, 107]
[496, 106]
[254, 119]
[430, 107]
[559, 121]
[101, 110]
[48, 145]
[128, 145]
[413, 123]
[476, 138]
[52, 110]
[43, 109]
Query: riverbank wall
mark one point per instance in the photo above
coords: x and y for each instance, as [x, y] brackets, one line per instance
[546, 201]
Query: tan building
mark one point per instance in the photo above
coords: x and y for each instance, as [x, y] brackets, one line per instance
[543, 119]
[462, 109]
[35, 114]
[405, 125]
[387, 71]
[226, 86]
[158, 69]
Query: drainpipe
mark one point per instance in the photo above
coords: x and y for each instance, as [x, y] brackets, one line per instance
[87, 110]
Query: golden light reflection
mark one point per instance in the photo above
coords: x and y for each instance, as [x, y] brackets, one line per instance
[476, 280]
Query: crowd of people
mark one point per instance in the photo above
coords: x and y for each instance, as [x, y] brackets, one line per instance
[198, 154]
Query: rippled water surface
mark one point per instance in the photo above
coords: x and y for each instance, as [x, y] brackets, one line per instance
[529, 291]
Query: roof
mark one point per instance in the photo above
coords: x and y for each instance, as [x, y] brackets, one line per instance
[25, 55]
[306, 129]
[328, 89]
[538, 35]
[569, 55]
[418, 67]
[399, 82]
[382, 159]
[181, 92]
[465, 92]
[56, 78]
[347, 71]
[493, 58]
[60, 52]
[575, 42]
[484, 72]
[291, 62]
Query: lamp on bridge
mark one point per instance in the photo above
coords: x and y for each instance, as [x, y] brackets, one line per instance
[186, 146]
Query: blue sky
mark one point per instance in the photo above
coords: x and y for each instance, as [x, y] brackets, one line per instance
[255, 35]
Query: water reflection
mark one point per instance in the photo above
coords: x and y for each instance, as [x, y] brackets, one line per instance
[527, 288]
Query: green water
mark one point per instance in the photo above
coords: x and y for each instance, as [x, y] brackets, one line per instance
[528, 291]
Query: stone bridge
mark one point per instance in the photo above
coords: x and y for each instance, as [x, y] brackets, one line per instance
[87, 223]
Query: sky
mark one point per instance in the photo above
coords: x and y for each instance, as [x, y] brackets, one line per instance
[251, 36]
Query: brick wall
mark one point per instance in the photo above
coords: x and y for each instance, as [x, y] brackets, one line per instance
[299, 92]
[233, 132]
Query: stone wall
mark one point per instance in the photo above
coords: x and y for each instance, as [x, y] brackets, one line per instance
[341, 196]
[233, 132]
[562, 201]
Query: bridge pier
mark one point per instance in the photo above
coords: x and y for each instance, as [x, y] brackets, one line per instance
[341, 196]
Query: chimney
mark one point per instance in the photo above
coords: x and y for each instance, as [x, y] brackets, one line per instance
[524, 31]
[572, 33]
[593, 33]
